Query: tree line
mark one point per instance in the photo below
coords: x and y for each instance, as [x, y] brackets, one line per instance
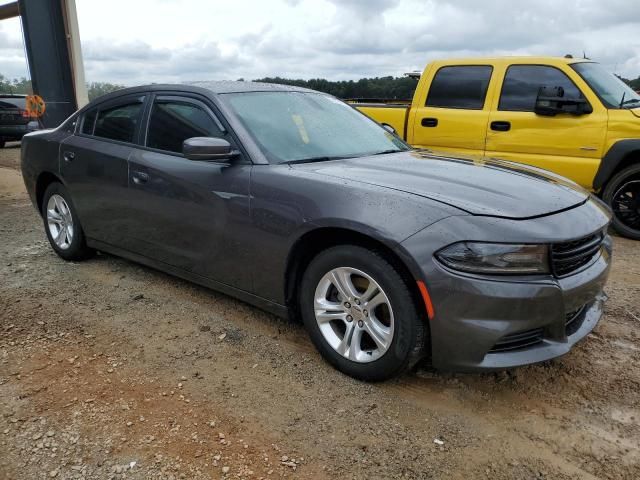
[380, 87]
[23, 86]
[397, 88]
[635, 84]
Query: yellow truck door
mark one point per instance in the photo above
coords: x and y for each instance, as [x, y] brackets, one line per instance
[451, 109]
[569, 144]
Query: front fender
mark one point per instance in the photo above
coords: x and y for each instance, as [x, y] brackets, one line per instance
[613, 158]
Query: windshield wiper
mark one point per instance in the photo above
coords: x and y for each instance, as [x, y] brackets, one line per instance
[631, 100]
[314, 159]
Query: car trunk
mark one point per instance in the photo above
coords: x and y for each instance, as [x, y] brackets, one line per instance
[13, 112]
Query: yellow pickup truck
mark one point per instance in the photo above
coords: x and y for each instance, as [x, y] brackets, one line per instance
[567, 115]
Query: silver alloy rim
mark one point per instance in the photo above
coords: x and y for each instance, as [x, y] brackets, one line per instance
[60, 221]
[354, 314]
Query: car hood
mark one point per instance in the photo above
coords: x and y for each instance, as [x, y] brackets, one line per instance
[636, 111]
[479, 187]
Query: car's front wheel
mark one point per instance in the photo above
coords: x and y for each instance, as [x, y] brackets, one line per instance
[361, 314]
[62, 225]
[622, 194]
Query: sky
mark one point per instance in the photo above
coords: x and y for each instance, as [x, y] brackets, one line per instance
[141, 41]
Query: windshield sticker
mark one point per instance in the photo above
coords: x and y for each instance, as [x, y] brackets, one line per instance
[297, 119]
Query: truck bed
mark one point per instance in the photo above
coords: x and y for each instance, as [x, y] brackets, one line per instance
[387, 112]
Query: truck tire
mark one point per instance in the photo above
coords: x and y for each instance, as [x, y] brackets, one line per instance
[622, 194]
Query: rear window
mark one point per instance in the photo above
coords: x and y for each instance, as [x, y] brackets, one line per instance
[11, 103]
[463, 87]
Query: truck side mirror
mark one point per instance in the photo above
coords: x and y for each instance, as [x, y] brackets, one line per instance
[389, 128]
[551, 101]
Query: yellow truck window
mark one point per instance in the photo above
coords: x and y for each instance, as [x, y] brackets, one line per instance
[522, 83]
[463, 86]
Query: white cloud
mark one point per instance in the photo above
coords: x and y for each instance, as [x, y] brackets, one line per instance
[180, 40]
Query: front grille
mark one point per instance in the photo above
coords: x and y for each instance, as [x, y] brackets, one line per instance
[518, 340]
[568, 257]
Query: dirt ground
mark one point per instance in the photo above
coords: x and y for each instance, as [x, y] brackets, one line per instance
[109, 370]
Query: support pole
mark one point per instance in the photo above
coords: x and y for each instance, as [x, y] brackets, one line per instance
[49, 55]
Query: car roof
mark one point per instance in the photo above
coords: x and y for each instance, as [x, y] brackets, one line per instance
[207, 87]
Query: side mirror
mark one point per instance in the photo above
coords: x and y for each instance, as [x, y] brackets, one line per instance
[551, 101]
[207, 148]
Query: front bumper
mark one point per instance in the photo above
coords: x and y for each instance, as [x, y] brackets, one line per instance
[473, 329]
[491, 323]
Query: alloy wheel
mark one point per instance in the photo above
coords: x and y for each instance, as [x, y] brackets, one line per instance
[60, 221]
[354, 314]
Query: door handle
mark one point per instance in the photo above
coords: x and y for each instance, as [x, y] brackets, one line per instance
[501, 126]
[68, 156]
[429, 122]
[140, 177]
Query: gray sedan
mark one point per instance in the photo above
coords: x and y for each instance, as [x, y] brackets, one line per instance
[293, 201]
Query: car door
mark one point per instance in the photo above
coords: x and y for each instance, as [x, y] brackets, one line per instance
[568, 144]
[93, 164]
[190, 214]
[455, 110]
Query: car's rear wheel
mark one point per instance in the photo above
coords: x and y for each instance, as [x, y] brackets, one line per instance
[62, 225]
[622, 194]
[360, 313]
[2, 143]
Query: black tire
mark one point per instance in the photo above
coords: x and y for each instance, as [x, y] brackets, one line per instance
[77, 248]
[410, 334]
[628, 223]
[2, 143]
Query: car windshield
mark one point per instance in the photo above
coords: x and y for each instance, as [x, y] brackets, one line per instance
[611, 90]
[307, 126]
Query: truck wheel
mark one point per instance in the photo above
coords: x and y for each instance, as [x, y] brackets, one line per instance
[62, 225]
[360, 313]
[622, 194]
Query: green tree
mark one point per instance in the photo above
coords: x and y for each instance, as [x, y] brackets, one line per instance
[21, 86]
[635, 84]
[97, 89]
[393, 88]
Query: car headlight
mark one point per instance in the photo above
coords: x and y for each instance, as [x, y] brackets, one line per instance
[496, 258]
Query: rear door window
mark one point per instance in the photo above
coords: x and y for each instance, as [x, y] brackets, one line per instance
[463, 87]
[522, 83]
[119, 122]
[174, 120]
